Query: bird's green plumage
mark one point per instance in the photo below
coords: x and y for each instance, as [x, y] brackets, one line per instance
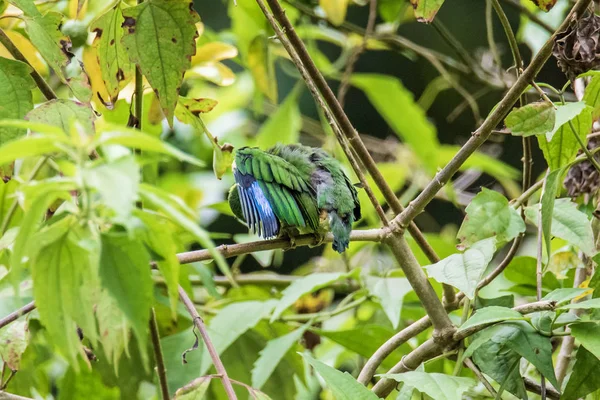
[294, 186]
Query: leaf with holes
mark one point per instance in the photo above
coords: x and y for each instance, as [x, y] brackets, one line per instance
[46, 36]
[160, 37]
[532, 119]
[15, 95]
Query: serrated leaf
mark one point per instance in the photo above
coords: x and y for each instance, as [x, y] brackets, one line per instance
[489, 215]
[551, 186]
[115, 67]
[390, 292]
[284, 125]
[138, 140]
[117, 183]
[425, 10]
[46, 36]
[335, 10]
[568, 223]
[563, 147]
[532, 119]
[62, 113]
[342, 384]
[564, 114]
[490, 315]
[160, 37]
[262, 68]
[388, 95]
[584, 379]
[194, 390]
[113, 326]
[13, 342]
[438, 386]
[272, 354]
[15, 95]
[463, 271]
[125, 274]
[302, 286]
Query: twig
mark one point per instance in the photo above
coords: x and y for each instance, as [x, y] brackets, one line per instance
[471, 365]
[512, 40]
[214, 355]
[16, 53]
[530, 14]
[539, 271]
[490, 33]
[485, 130]
[158, 356]
[536, 388]
[13, 316]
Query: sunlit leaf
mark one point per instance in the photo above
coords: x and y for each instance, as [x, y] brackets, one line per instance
[27, 6]
[262, 67]
[532, 119]
[46, 36]
[438, 386]
[591, 97]
[390, 292]
[31, 54]
[160, 37]
[564, 114]
[335, 10]
[489, 315]
[425, 10]
[214, 51]
[15, 95]
[63, 113]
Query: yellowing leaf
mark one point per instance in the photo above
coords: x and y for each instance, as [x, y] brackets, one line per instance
[115, 67]
[217, 73]
[425, 10]
[77, 8]
[29, 51]
[160, 37]
[262, 68]
[545, 5]
[335, 10]
[90, 60]
[214, 51]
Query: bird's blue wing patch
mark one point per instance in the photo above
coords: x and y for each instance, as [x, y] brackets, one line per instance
[256, 208]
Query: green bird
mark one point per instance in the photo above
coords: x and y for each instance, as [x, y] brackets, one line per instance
[293, 188]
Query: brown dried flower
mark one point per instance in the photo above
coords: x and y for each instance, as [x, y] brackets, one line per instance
[577, 48]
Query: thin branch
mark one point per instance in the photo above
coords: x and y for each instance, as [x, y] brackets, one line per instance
[536, 388]
[13, 316]
[529, 14]
[471, 365]
[512, 40]
[214, 355]
[485, 130]
[490, 33]
[158, 356]
[17, 55]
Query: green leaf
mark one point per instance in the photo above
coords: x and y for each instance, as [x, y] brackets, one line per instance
[438, 386]
[389, 96]
[62, 113]
[568, 223]
[489, 215]
[284, 125]
[63, 270]
[27, 6]
[582, 305]
[125, 274]
[564, 295]
[159, 236]
[565, 113]
[114, 63]
[46, 36]
[117, 183]
[591, 96]
[302, 286]
[551, 187]
[490, 315]
[425, 10]
[262, 67]
[588, 334]
[463, 271]
[335, 10]
[138, 140]
[160, 37]
[272, 354]
[13, 342]
[114, 327]
[31, 145]
[390, 292]
[563, 147]
[15, 95]
[162, 202]
[532, 119]
[342, 384]
[195, 390]
[584, 379]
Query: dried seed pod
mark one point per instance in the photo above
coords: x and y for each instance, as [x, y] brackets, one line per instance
[583, 178]
[577, 48]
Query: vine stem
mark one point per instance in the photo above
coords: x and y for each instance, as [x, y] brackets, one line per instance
[214, 355]
[161, 371]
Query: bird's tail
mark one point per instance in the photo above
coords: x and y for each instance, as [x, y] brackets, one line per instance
[340, 228]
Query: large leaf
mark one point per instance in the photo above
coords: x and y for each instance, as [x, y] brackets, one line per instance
[160, 37]
[125, 274]
[563, 147]
[591, 96]
[588, 334]
[568, 223]
[342, 384]
[551, 187]
[46, 36]
[390, 292]
[490, 315]
[304, 285]
[584, 378]
[115, 67]
[564, 114]
[425, 10]
[284, 125]
[489, 215]
[113, 326]
[63, 113]
[15, 95]
[532, 119]
[438, 386]
[388, 96]
[463, 271]
[272, 354]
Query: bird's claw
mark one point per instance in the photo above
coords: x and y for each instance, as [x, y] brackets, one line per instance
[319, 239]
[292, 241]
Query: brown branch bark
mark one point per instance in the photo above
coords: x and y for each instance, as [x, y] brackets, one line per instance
[161, 371]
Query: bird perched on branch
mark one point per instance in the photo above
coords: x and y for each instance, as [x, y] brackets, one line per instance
[292, 189]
